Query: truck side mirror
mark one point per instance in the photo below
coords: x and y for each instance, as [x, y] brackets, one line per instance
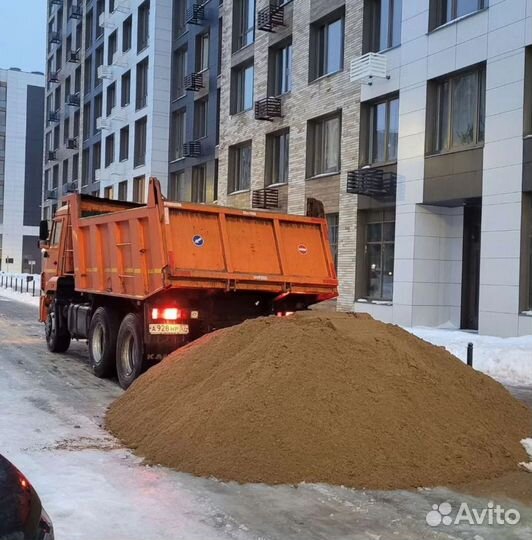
[43, 230]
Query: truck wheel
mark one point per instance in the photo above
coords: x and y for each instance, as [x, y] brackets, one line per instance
[129, 350]
[57, 343]
[103, 331]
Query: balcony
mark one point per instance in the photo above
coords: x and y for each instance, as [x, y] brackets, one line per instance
[76, 12]
[265, 199]
[119, 60]
[74, 57]
[104, 72]
[72, 144]
[270, 17]
[194, 82]
[51, 194]
[103, 124]
[53, 77]
[195, 15]
[51, 155]
[268, 108]
[73, 100]
[54, 38]
[71, 187]
[192, 149]
[105, 21]
[368, 67]
[53, 117]
[375, 183]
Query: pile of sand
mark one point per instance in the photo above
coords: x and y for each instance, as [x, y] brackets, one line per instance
[334, 398]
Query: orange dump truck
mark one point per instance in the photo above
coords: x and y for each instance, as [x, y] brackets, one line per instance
[139, 281]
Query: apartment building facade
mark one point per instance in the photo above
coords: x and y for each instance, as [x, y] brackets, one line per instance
[21, 146]
[108, 98]
[194, 109]
[411, 122]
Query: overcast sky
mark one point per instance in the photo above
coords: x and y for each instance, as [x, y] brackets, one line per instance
[23, 34]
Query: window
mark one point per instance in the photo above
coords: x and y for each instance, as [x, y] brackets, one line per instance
[383, 27]
[124, 143]
[85, 167]
[122, 191]
[243, 88]
[243, 23]
[98, 57]
[143, 30]
[202, 52]
[75, 167]
[199, 184]
[179, 189]
[111, 6]
[444, 11]
[111, 98]
[281, 70]
[139, 191]
[89, 23]
[277, 157]
[127, 32]
[66, 129]
[112, 47]
[125, 98]
[456, 111]
[200, 118]
[332, 222]
[142, 84]
[77, 80]
[383, 131]
[108, 192]
[180, 70]
[96, 159]
[528, 92]
[86, 121]
[88, 75]
[179, 16]
[140, 142]
[65, 171]
[379, 248]
[240, 167]
[324, 146]
[179, 119]
[327, 46]
[98, 108]
[100, 8]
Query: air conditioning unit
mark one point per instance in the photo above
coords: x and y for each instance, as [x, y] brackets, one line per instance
[51, 155]
[71, 187]
[50, 194]
[123, 6]
[368, 67]
[118, 169]
[103, 124]
[119, 60]
[105, 72]
[105, 21]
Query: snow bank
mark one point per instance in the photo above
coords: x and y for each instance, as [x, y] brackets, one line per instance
[23, 297]
[508, 360]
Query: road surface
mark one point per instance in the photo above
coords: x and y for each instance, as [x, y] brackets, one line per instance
[50, 426]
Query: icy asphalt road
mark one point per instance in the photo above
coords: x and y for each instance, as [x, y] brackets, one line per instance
[51, 408]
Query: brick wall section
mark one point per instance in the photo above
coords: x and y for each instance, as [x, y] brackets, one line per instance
[306, 101]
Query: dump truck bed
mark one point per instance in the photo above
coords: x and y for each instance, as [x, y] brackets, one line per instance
[135, 251]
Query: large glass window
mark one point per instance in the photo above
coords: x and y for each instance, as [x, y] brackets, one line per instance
[327, 47]
[384, 25]
[384, 131]
[199, 184]
[143, 30]
[180, 70]
[139, 157]
[380, 239]
[179, 16]
[125, 99]
[179, 189]
[243, 80]
[444, 11]
[139, 189]
[142, 84]
[240, 167]
[201, 107]
[333, 226]
[178, 134]
[243, 23]
[277, 158]
[458, 111]
[202, 52]
[124, 143]
[127, 31]
[324, 145]
[281, 70]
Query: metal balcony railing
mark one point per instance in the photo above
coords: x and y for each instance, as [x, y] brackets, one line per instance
[53, 117]
[53, 77]
[270, 17]
[268, 108]
[72, 187]
[73, 100]
[54, 37]
[194, 82]
[192, 149]
[51, 194]
[195, 14]
[265, 199]
[372, 183]
[74, 57]
[72, 144]
[51, 155]
[76, 12]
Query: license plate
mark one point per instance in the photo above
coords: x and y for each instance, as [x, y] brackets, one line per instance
[169, 329]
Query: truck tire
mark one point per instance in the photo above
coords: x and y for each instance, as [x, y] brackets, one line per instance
[129, 350]
[57, 343]
[103, 331]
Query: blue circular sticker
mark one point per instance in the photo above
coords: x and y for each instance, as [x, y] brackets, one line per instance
[198, 240]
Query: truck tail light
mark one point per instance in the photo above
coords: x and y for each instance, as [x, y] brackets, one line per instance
[284, 313]
[167, 314]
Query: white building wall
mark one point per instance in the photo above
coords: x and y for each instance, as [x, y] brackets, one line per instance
[428, 248]
[159, 57]
[12, 226]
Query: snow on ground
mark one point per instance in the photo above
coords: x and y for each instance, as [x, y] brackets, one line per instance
[25, 297]
[508, 360]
